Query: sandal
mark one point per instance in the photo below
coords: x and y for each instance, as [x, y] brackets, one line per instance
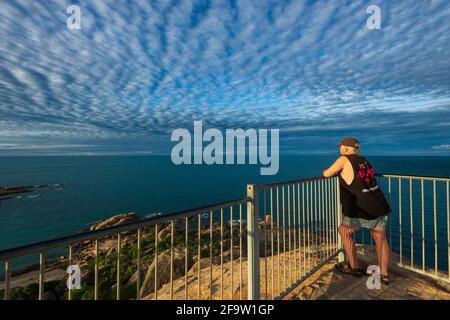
[385, 280]
[363, 266]
[345, 268]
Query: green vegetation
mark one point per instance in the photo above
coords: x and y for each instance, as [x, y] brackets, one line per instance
[107, 265]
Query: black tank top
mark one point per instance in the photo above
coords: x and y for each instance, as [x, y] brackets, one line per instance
[362, 198]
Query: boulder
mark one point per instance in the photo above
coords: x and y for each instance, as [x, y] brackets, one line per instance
[164, 269]
[115, 220]
[164, 233]
[85, 251]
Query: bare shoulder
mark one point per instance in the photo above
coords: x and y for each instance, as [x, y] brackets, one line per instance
[343, 160]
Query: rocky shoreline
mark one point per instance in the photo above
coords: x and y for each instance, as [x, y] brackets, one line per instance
[10, 190]
[7, 192]
[24, 280]
[187, 258]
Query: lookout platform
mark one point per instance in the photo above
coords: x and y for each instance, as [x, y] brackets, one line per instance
[328, 284]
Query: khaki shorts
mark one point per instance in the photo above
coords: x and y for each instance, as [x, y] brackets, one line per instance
[363, 223]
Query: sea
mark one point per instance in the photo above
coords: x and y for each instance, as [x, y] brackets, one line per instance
[96, 187]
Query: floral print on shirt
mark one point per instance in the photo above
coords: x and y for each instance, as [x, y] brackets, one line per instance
[367, 175]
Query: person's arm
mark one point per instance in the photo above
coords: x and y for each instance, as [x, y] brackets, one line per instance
[335, 168]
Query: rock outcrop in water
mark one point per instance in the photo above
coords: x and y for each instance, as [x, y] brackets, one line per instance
[115, 220]
[8, 191]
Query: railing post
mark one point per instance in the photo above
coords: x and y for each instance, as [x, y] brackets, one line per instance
[341, 256]
[253, 242]
[7, 279]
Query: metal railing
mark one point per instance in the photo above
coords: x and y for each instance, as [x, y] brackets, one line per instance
[419, 226]
[199, 225]
[299, 234]
[290, 229]
[257, 247]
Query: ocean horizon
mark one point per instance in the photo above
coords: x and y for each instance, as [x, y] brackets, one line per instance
[98, 187]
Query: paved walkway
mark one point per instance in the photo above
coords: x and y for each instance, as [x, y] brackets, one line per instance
[405, 285]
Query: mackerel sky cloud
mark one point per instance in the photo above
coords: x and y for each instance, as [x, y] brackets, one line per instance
[139, 69]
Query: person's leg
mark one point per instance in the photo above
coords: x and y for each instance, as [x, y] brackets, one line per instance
[379, 235]
[346, 233]
[378, 246]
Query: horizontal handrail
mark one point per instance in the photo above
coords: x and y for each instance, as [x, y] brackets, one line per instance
[390, 175]
[282, 183]
[13, 253]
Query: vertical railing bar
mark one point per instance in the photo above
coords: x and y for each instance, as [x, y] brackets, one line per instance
[316, 200]
[271, 242]
[308, 212]
[278, 240]
[199, 253]
[118, 267]
[96, 270]
[231, 251]
[390, 219]
[327, 198]
[327, 251]
[411, 222]
[322, 220]
[69, 293]
[337, 204]
[156, 262]
[240, 251]
[333, 209]
[294, 230]
[423, 223]
[7, 279]
[210, 252]
[284, 235]
[400, 218]
[314, 219]
[265, 249]
[325, 212]
[448, 230]
[341, 257]
[303, 229]
[186, 239]
[299, 230]
[311, 209]
[317, 217]
[435, 229]
[265, 242]
[289, 233]
[171, 257]
[221, 253]
[322, 217]
[41, 275]
[138, 263]
[332, 215]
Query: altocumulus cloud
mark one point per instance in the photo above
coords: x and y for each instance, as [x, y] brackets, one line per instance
[136, 70]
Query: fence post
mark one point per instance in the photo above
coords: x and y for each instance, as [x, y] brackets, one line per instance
[253, 242]
[341, 256]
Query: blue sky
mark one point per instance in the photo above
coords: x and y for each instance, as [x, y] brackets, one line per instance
[139, 69]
